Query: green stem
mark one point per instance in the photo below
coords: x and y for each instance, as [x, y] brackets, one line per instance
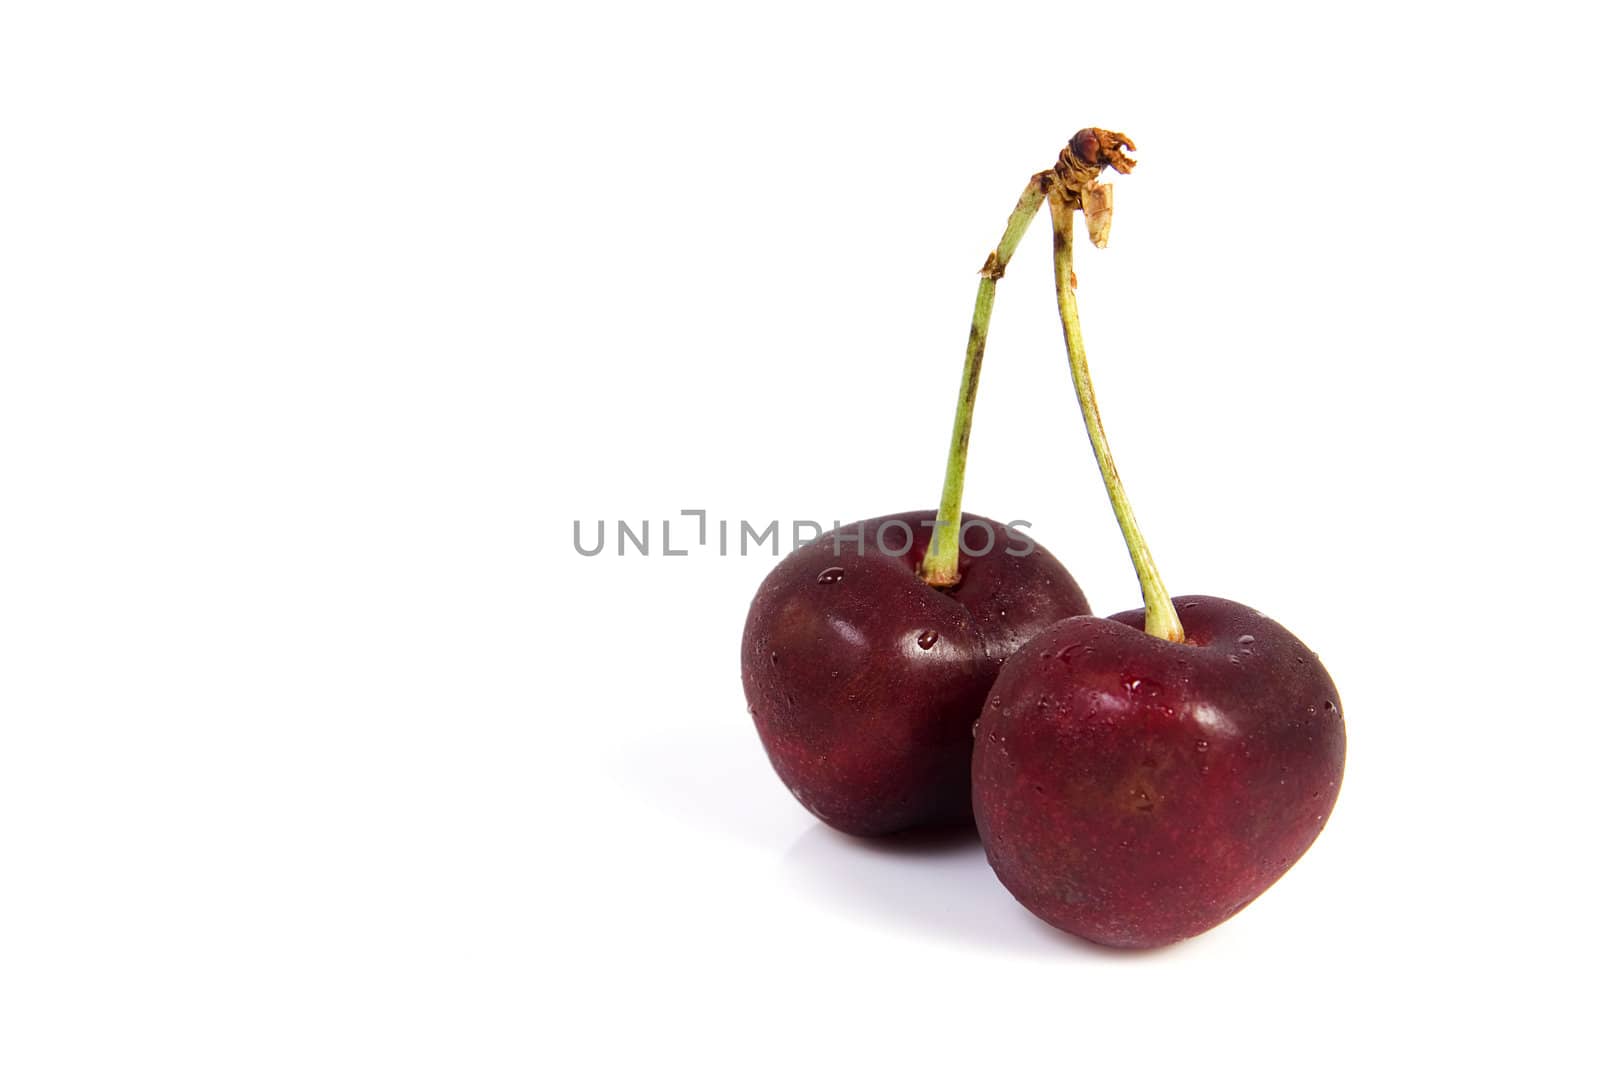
[941, 566]
[1160, 616]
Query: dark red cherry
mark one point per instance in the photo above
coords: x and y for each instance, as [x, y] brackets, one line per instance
[865, 681]
[1137, 791]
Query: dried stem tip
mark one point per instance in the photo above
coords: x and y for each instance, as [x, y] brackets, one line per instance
[1103, 147]
[1088, 153]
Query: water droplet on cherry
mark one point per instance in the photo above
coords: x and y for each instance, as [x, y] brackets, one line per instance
[927, 639]
[831, 575]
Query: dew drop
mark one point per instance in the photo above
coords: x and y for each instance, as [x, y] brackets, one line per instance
[1235, 660]
[1201, 745]
[1141, 686]
[831, 575]
[1329, 705]
[1247, 639]
[974, 727]
[752, 711]
[927, 639]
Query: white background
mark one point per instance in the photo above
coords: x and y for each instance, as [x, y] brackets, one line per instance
[322, 322]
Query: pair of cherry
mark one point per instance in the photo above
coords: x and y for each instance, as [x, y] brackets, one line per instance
[1136, 779]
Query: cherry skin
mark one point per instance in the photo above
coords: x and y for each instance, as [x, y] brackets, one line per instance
[1136, 791]
[865, 681]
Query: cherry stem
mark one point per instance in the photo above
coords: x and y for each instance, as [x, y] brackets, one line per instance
[941, 566]
[1160, 616]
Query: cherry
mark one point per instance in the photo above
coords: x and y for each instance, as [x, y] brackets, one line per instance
[865, 669]
[1137, 791]
[865, 681]
[1139, 779]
